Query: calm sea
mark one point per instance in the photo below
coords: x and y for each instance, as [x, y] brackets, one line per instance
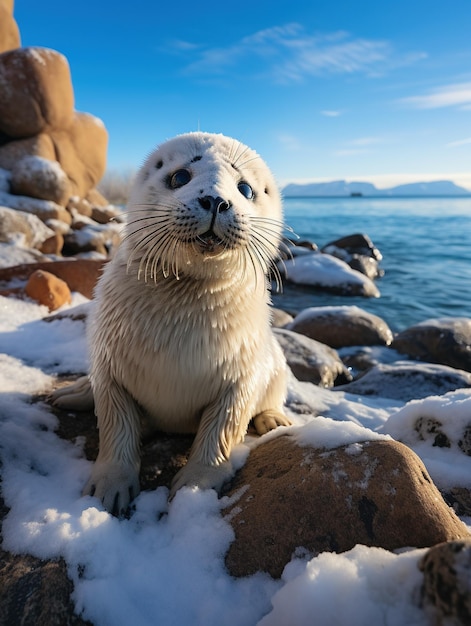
[426, 248]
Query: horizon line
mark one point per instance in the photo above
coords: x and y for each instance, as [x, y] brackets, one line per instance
[385, 181]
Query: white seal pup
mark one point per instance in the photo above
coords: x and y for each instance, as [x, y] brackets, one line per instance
[181, 323]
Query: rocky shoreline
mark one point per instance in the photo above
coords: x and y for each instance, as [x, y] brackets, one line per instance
[337, 349]
[296, 490]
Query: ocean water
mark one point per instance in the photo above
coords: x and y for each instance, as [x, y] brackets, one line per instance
[426, 248]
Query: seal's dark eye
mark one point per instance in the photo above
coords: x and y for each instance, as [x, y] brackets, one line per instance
[179, 178]
[245, 189]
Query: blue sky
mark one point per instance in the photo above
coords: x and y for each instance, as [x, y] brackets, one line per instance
[372, 90]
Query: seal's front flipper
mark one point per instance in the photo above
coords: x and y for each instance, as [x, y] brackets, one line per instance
[77, 396]
[269, 420]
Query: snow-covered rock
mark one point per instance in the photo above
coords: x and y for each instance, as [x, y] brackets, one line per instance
[325, 271]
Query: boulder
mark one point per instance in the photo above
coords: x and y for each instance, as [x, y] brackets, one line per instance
[354, 244]
[430, 424]
[79, 205]
[460, 499]
[96, 198]
[36, 92]
[445, 340]
[303, 243]
[42, 178]
[81, 151]
[359, 252]
[86, 235]
[15, 255]
[446, 589]
[311, 360]
[360, 359]
[82, 241]
[48, 289]
[340, 326]
[23, 228]
[40, 145]
[288, 496]
[9, 33]
[106, 214]
[327, 273]
[44, 209]
[53, 245]
[405, 380]
[81, 275]
[33, 591]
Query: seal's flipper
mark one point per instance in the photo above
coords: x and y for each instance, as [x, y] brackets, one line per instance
[77, 396]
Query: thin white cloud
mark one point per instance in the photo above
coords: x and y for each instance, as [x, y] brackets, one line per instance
[455, 95]
[361, 145]
[460, 142]
[179, 45]
[331, 113]
[290, 54]
[366, 141]
[348, 152]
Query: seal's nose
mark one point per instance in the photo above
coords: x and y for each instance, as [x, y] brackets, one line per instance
[214, 204]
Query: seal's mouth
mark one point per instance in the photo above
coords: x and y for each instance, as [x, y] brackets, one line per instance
[209, 242]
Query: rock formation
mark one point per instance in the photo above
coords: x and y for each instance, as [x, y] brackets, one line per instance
[342, 326]
[51, 156]
[9, 32]
[446, 589]
[311, 360]
[289, 497]
[446, 340]
[359, 252]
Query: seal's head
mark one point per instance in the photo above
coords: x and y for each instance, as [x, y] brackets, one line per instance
[207, 198]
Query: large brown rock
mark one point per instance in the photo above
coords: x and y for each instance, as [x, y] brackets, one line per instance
[41, 178]
[446, 589]
[23, 228]
[406, 381]
[40, 145]
[9, 32]
[35, 92]
[81, 275]
[81, 151]
[377, 493]
[311, 360]
[106, 214]
[46, 288]
[44, 209]
[54, 244]
[36, 592]
[340, 326]
[96, 198]
[79, 206]
[445, 340]
[7, 4]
